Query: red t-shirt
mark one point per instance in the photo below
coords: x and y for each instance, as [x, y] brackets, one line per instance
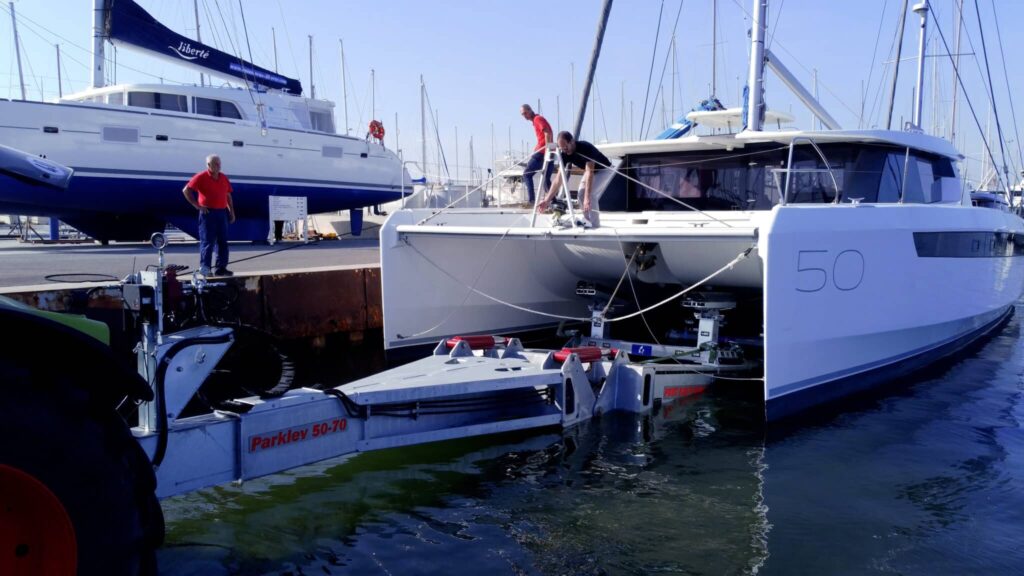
[540, 126]
[213, 192]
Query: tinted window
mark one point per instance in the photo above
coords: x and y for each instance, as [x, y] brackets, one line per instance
[158, 100]
[891, 185]
[752, 178]
[219, 108]
[321, 121]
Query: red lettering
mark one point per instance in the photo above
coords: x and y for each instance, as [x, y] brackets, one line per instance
[282, 437]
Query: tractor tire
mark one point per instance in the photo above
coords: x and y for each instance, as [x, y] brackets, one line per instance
[77, 492]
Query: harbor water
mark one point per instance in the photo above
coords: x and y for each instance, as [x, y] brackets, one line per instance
[924, 478]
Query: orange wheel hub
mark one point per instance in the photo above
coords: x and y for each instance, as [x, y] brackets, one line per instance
[36, 534]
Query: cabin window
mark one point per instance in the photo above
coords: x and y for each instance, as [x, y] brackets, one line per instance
[219, 108]
[701, 181]
[115, 98]
[120, 134]
[890, 183]
[321, 121]
[333, 151]
[159, 101]
[754, 178]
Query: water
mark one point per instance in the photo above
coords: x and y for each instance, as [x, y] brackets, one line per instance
[925, 479]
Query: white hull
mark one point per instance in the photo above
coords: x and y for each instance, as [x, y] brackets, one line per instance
[846, 290]
[144, 175]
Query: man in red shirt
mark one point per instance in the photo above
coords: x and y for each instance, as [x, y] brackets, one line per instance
[216, 210]
[544, 137]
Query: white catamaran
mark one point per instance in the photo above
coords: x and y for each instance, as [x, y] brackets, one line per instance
[853, 255]
[132, 147]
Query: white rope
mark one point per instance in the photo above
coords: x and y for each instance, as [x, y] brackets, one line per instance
[488, 296]
[625, 274]
[468, 292]
[739, 257]
[473, 289]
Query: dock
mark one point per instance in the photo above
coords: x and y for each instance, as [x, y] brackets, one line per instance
[338, 280]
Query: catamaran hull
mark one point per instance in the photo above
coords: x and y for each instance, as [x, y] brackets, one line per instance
[124, 190]
[855, 295]
[852, 295]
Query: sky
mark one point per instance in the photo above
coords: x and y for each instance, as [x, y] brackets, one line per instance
[480, 60]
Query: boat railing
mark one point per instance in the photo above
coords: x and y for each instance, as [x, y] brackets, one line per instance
[790, 170]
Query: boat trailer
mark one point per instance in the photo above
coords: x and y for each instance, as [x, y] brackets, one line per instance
[469, 386]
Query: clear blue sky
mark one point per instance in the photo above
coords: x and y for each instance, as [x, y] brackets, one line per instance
[482, 59]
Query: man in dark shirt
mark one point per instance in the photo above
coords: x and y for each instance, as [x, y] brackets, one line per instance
[581, 154]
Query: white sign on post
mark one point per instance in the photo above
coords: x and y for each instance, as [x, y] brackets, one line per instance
[288, 208]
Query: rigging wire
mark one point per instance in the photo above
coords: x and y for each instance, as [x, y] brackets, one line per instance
[775, 26]
[664, 66]
[235, 51]
[874, 58]
[650, 73]
[31, 70]
[437, 134]
[1009, 93]
[801, 64]
[34, 27]
[877, 100]
[960, 80]
[259, 96]
[992, 95]
[288, 36]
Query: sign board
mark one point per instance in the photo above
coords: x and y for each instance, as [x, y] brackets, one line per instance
[288, 209]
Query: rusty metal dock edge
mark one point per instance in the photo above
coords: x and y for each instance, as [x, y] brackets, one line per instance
[308, 303]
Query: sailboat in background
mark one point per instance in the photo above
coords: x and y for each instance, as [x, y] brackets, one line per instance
[132, 147]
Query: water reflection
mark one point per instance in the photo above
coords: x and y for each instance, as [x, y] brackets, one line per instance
[921, 479]
[676, 493]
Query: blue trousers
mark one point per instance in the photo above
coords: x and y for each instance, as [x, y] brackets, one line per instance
[532, 167]
[213, 229]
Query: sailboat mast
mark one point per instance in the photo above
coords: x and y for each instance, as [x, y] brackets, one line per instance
[755, 83]
[714, 45]
[423, 122]
[60, 82]
[896, 63]
[99, 12]
[273, 40]
[17, 49]
[956, 68]
[312, 87]
[344, 84]
[922, 11]
[195, 9]
[601, 25]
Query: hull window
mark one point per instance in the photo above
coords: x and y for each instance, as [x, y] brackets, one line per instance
[333, 152]
[120, 134]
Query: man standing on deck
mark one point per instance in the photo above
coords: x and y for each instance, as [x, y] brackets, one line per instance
[216, 210]
[544, 137]
[580, 154]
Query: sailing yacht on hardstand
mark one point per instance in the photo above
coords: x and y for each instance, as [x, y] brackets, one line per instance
[133, 147]
[854, 255]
